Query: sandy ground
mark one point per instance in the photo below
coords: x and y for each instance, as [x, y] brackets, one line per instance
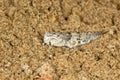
[24, 22]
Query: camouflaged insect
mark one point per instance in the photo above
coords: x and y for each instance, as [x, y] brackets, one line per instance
[69, 39]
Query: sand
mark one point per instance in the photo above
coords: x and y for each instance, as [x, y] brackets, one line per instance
[23, 24]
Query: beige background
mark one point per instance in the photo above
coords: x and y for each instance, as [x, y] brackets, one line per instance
[24, 22]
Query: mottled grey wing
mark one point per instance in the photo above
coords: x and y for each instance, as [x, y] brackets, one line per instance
[66, 36]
